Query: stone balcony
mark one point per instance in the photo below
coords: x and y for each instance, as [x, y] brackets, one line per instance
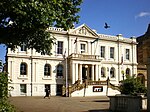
[87, 57]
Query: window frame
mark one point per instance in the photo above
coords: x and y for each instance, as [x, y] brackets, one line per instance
[128, 71]
[103, 70]
[102, 51]
[112, 52]
[112, 72]
[83, 48]
[127, 52]
[59, 71]
[23, 88]
[47, 70]
[23, 69]
[59, 47]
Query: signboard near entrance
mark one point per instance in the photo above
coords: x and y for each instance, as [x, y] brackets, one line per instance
[97, 88]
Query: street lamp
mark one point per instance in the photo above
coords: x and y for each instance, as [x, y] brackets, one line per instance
[122, 74]
[86, 66]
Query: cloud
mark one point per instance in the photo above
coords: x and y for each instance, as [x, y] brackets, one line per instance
[142, 14]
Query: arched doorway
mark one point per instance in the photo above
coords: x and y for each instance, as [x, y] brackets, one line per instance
[141, 77]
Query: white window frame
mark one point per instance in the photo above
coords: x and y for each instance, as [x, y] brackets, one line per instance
[23, 88]
[127, 54]
[83, 49]
[112, 53]
[114, 72]
[47, 69]
[60, 47]
[102, 51]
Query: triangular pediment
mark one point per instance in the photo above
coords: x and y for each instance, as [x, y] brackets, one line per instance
[84, 30]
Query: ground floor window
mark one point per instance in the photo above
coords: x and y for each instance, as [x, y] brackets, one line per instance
[23, 89]
[47, 85]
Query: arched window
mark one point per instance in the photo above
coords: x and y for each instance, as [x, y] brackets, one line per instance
[112, 72]
[59, 70]
[23, 68]
[127, 71]
[141, 77]
[103, 72]
[47, 69]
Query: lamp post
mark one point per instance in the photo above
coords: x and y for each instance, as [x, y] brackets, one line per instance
[86, 67]
[31, 70]
[122, 74]
[66, 78]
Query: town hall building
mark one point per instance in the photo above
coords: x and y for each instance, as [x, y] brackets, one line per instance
[81, 62]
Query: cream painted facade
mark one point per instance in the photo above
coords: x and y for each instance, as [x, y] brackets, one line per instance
[88, 55]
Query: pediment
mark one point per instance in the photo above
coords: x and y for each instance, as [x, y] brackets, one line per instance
[84, 30]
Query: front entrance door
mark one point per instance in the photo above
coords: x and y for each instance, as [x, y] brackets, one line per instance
[59, 89]
[84, 73]
[87, 73]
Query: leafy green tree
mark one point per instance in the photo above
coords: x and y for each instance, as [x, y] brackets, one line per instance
[5, 105]
[132, 86]
[27, 20]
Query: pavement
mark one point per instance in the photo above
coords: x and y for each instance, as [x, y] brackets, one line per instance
[60, 104]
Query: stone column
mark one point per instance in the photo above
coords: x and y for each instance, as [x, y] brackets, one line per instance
[73, 73]
[148, 84]
[76, 72]
[80, 73]
[96, 72]
[93, 73]
[99, 72]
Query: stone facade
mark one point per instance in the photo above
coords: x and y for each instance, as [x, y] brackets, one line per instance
[143, 52]
[78, 54]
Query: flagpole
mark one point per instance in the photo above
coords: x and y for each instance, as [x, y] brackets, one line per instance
[95, 47]
[75, 42]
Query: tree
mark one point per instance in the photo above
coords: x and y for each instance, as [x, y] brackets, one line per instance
[26, 21]
[132, 86]
[5, 105]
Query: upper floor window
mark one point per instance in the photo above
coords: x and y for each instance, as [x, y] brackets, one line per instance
[103, 72]
[112, 50]
[60, 47]
[102, 51]
[82, 47]
[47, 70]
[23, 47]
[127, 54]
[112, 72]
[59, 70]
[23, 69]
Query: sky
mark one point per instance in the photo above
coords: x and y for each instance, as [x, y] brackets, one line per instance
[127, 17]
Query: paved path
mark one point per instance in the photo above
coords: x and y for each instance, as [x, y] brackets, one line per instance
[61, 104]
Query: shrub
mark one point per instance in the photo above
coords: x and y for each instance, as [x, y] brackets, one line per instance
[132, 86]
[5, 106]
